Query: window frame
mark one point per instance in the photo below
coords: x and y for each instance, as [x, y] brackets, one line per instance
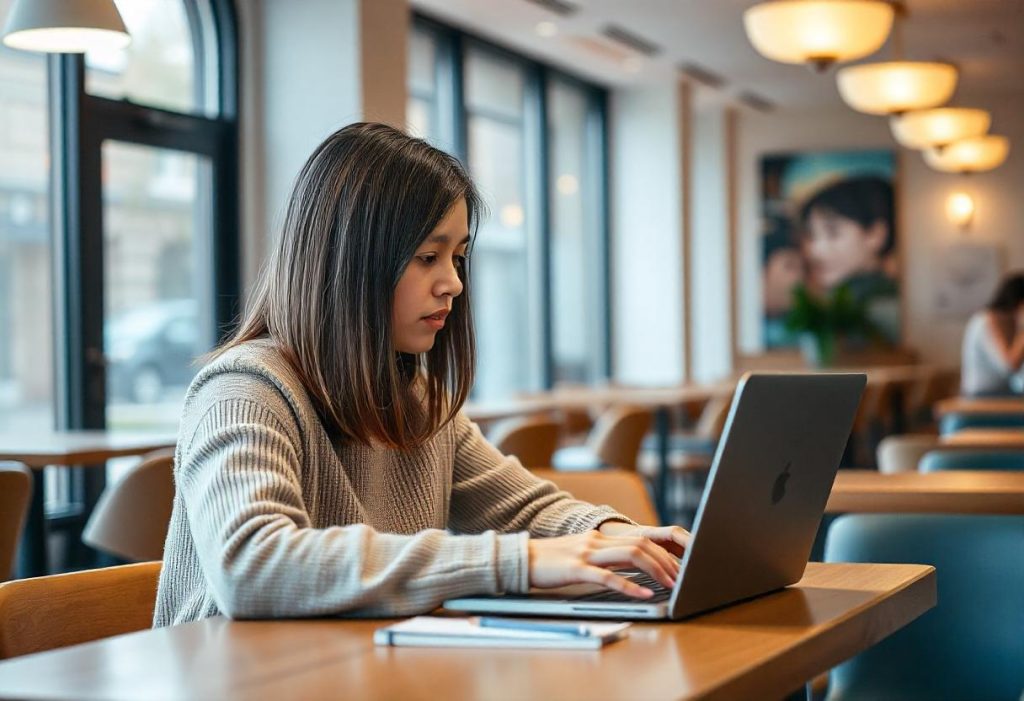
[452, 113]
[79, 125]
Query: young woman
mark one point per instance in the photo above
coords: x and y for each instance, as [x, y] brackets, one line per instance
[323, 465]
[993, 346]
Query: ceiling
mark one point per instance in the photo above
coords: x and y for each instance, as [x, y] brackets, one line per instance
[985, 38]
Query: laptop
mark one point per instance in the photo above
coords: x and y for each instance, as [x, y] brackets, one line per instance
[759, 514]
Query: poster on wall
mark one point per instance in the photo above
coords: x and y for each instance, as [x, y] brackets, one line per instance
[828, 219]
[965, 278]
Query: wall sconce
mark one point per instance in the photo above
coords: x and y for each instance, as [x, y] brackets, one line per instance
[960, 209]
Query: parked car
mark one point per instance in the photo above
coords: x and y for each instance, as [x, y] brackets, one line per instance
[151, 348]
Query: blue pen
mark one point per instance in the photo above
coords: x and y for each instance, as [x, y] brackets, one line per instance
[574, 629]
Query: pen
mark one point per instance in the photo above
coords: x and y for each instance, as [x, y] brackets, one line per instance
[575, 629]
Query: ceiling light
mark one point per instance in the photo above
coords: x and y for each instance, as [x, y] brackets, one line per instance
[65, 26]
[894, 87]
[546, 29]
[819, 33]
[970, 155]
[632, 64]
[937, 128]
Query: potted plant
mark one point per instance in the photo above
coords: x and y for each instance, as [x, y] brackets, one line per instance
[824, 321]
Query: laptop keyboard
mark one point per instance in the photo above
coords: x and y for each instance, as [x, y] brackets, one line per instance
[641, 578]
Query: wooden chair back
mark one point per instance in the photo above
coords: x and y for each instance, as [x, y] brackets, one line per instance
[15, 495]
[532, 439]
[133, 514]
[43, 613]
[617, 435]
[626, 492]
[712, 418]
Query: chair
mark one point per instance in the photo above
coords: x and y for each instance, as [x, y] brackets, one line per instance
[15, 495]
[43, 613]
[951, 423]
[970, 646]
[613, 442]
[532, 439]
[902, 453]
[131, 518]
[624, 491]
[938, 460]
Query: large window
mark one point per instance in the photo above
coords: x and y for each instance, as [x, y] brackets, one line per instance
[118, 229]
[26, 301]
[533, 140]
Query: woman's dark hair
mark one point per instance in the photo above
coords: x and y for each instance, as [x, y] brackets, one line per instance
[361, 206]
[1010, 294]
[865, 200]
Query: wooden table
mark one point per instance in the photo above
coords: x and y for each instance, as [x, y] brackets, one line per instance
[763, 648]
[979, 406]
[65, 449]
[963, 492]
[1010, 438]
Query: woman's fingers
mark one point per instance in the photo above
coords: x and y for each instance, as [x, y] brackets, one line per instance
[610, 580]
[673, 538]
[658, 552]
[640, 556]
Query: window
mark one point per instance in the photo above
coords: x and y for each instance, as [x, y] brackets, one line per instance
[533, 140]
[495, 123]
[139, 214]
[26, 301]
[578, 325]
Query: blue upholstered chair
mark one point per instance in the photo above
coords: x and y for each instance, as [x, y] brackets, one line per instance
[951, 423]
[937, 460]
[971, 645]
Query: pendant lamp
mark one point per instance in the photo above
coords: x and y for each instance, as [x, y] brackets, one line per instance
[818, 32]
[937, 128]
[970, 155]
[65, 26]
[895, 87]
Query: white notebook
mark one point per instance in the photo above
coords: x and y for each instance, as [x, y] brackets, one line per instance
[432, 631]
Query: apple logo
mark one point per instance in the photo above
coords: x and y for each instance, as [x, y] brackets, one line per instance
[779, 488]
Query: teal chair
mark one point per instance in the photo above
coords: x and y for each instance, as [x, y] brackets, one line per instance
[971, 645]
[951, 423]
[938, 460]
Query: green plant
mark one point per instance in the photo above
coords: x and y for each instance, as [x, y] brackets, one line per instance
[829, 317]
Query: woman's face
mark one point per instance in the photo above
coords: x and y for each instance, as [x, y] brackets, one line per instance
[837, 248]
[423, 297]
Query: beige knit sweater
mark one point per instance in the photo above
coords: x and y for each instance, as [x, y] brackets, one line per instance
[272, 520]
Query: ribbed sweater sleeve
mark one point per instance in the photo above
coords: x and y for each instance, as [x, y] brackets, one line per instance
[494, 491]
[239, 479]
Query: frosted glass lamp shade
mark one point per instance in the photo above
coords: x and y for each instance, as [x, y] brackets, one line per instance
[970, 155]
[819, 32]
[65, 26]
[894, 87]
[940, 127]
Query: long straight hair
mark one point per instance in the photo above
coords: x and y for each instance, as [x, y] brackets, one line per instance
[360, 208]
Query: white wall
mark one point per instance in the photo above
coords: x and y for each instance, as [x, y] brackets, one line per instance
[921, 194]
[646, 222]
[309, 68]
[709, 266]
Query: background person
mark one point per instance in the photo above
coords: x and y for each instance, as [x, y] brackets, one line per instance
[993, 344]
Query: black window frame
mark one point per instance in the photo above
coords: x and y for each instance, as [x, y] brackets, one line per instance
[451, 112]
[79, 125]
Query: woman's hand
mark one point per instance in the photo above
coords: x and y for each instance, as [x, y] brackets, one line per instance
[672, 538]
[589, 558]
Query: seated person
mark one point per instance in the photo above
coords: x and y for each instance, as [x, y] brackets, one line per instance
[993, 346]
[323, 464]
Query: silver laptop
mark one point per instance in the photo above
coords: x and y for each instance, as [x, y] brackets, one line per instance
[756, 522]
